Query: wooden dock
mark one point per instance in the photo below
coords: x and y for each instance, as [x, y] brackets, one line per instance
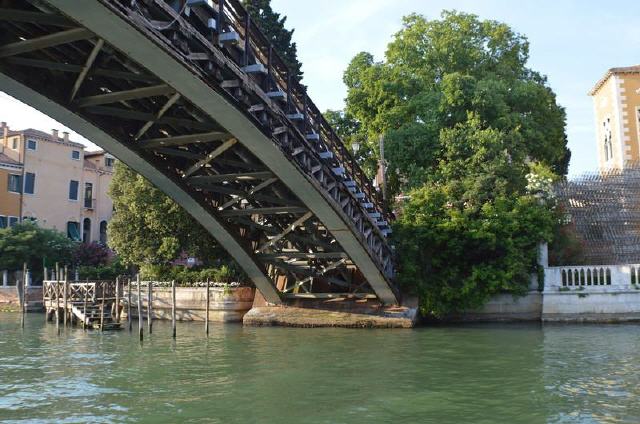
[91, 304]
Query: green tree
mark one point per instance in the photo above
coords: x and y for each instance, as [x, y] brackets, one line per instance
[149, 228]
[35, 246]
[438, 71]
[467, 126]
[272, 26]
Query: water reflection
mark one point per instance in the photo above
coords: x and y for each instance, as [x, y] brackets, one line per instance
[470, 374]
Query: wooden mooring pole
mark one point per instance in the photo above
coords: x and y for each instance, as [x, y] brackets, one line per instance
[117, 317]
[173, 309]
[85, 291]
[129, 321]
[23, 296]
[140, 324]
[149, 307]
[206, 312]
[102, 306]
[65, 296]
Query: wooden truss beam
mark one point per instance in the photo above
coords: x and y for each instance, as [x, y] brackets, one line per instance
[121, 96]
[248, 195]
[16, 15]
[298, 222]
[303, 255]
[241, 176]
[211, 156]
[276, 210]
[49, 40]
[164, 109]
[85, 69]
[183, 140]
[66, 67]
[134, 115]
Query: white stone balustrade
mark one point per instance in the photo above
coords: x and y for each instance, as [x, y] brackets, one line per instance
[593, 278]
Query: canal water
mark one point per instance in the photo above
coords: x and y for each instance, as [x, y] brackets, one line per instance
[464, 374]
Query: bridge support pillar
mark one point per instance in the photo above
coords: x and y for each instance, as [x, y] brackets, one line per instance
[339, 312]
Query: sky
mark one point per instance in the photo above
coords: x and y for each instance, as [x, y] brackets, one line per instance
[572, 42]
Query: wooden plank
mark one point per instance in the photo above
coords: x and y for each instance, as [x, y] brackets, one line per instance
[121, 96]
[16, 15]
[49, 40]
[276, 210]
[241, 176]
[183, 140]
[85, 69]
[211, 156]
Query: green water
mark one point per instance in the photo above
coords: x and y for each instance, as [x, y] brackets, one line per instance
[468, 374]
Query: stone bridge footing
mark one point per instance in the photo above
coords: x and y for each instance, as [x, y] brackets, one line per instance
[348, 313]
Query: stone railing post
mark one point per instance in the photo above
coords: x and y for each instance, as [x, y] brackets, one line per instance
[543, 255]
[27, 279]
[5, 278]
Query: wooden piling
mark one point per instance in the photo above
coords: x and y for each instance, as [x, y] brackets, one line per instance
[129, 321]
[149, 307]
[57, 306]
[102, 307]
[84, 306]
[117, 317]
[140, 324]
[173, 308]
[65, 297]
[206, 313]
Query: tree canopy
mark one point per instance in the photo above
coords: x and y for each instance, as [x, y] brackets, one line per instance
[272, 26]
[28, 243]
[468, 127]
[148, 227]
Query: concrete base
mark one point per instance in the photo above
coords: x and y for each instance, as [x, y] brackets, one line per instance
[333, 313]
[503, 308]
[9, 299]
[589, 306]
[225, 306]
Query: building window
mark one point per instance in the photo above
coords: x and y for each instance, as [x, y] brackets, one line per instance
[13, 220]
[73, 190]
[75, 154]
[14, 144]
[108, 162]
[88, 195]
[73, 230]
[3, 221]
[15, 183]
[103, 232]
[29, 183]
[32, 145]
[86, 230]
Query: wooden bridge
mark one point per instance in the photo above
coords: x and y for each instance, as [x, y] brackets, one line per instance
[91, 304]
[191, 95]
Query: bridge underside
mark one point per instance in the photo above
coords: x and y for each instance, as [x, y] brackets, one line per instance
[212, 119]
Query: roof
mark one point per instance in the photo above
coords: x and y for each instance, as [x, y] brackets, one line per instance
[32, 132]
[635, 69]
[95, 153]
[7, 160]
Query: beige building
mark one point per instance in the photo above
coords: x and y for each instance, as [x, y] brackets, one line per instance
[63, 187]
[616, 101]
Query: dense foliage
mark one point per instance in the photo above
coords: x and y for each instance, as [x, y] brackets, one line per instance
[473, 137]
[181, 274]
[37, 247]
[272, 26]
[150, 228]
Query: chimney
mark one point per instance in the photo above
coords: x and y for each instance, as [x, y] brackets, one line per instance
[5, 130]
[65, 135]
[54, 133]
